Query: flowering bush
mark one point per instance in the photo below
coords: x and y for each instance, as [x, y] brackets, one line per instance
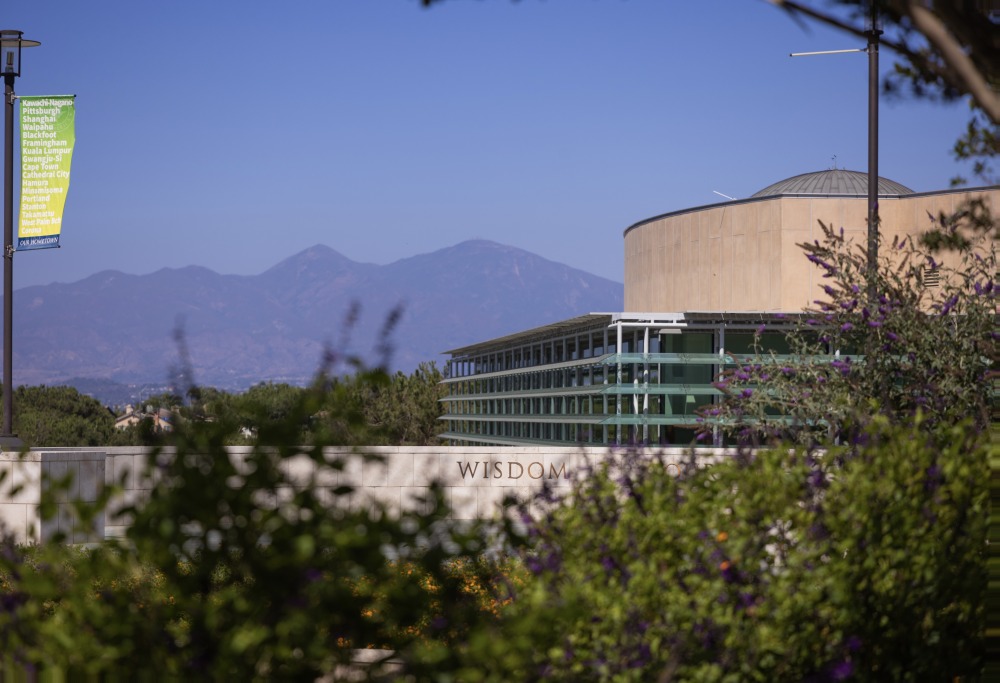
[785, 565]
[913, 348]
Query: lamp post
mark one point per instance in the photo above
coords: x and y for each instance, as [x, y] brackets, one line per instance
[873, 29]
[873, 32]
[11, 44]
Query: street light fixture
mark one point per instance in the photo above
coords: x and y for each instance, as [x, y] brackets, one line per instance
[11, 44]
[873, 29]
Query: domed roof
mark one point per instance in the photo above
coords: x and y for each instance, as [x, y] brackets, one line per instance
[833, 182]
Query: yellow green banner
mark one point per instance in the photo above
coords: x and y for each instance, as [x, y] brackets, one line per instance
[47, 137]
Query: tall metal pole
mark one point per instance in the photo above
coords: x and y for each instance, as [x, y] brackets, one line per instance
[873, 220]
[8, 258]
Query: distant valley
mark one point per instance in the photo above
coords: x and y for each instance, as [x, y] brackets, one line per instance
[114, 334]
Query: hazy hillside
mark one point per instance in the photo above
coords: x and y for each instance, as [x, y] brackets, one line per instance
[274, 326]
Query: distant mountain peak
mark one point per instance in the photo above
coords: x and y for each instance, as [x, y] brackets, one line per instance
[487, 245]
[240, 330]
[317, 251]
[318, 257]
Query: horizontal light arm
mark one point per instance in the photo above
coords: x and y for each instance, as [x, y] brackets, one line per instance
[826, 52]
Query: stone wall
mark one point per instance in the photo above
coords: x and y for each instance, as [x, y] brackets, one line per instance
[475, 479]
[22, 478]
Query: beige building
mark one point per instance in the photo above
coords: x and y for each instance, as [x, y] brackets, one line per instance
[699, 284]
[742, 255]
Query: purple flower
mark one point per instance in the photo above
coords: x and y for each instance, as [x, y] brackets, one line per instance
[842, 670]
[846, 327]
[10, 601]
[820, 262]
[746, 393]
[817, 479]
[934, 478]
[818, 532]
[949, 304]
[706, 632]
[729, 572]
[843, 366]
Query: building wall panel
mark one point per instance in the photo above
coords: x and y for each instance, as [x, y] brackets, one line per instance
[718, 258]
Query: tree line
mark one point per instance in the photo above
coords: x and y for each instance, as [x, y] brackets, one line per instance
[370, 407]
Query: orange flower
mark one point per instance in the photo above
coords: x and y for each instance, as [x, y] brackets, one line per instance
[725, 565]
[722, 536]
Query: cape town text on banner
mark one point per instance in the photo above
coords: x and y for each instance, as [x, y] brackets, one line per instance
[47, 138]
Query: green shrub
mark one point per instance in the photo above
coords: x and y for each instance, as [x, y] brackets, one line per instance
[784, 565]
[233, 571]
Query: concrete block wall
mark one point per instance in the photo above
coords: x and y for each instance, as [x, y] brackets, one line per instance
[22, 480]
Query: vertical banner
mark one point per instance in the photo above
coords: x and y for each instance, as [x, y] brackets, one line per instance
[47, 138]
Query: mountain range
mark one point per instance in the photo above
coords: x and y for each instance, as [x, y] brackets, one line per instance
[237, 330]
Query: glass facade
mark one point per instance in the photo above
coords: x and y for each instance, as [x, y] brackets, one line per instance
[599, 379]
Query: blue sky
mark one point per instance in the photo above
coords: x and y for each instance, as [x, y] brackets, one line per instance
[235, 134]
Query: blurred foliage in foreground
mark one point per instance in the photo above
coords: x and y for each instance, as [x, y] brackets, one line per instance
[858, 564]
[233, 571]
[852, 547]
